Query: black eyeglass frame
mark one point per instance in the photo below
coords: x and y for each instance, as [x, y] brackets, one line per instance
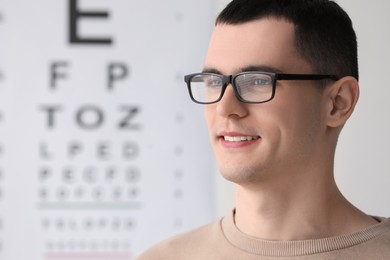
[230, 79]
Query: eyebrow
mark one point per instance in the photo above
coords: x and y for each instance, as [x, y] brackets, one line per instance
[262, 68]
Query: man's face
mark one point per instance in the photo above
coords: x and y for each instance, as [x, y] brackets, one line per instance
[285, 133]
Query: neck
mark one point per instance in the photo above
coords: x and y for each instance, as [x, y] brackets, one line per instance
[301, 206]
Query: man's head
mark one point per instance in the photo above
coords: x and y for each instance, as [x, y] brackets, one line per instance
[298, 129]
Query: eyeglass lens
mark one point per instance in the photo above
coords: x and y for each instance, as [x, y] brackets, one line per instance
[250, 87]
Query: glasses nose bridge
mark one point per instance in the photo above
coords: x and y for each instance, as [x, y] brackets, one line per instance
[229, 80]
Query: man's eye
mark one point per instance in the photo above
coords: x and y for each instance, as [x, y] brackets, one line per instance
[214, 83]
[261, 82]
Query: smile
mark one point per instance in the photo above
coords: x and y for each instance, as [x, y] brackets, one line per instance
[239, 138]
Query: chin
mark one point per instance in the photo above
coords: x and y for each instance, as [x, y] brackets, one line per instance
[239, 174]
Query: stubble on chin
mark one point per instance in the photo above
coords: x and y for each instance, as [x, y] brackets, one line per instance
[241, 174]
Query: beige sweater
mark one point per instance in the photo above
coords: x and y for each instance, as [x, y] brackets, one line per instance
[222, 240]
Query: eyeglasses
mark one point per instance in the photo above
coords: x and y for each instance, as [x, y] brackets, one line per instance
[249, 87]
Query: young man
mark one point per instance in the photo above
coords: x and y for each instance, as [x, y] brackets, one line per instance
[280, 80]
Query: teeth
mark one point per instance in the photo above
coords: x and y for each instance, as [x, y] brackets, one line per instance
[240, 138]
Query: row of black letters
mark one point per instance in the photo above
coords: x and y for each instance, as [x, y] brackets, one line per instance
[83, 115]
[116, 72]
[74, 149]
[89, 224]
[103, 150]
[87, 245]
[90, 174]
[97, 194]
[92, 117]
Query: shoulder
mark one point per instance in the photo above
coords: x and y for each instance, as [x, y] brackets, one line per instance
[379, 245]
[185, 244]
[383, 240]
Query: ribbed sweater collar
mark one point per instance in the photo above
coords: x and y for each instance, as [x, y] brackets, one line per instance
[299, 247]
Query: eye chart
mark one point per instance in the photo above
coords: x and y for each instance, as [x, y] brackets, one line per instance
[102, 153]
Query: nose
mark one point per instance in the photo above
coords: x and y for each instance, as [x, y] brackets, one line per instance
[230, 106]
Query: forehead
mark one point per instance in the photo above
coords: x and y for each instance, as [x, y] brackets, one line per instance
[264, 42]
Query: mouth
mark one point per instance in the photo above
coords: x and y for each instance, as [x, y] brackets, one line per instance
[235, 140]
[228, 138]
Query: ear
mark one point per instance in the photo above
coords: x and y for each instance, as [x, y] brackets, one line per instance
[342, 98]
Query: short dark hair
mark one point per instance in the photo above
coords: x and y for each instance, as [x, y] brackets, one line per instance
[324, 35]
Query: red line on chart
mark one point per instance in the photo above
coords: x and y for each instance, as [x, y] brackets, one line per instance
[88, 256]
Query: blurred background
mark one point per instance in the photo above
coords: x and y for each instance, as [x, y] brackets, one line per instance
[102, 153]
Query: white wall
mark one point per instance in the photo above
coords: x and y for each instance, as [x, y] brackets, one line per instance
[362, 161]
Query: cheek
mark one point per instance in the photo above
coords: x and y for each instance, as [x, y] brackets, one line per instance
[298, 119]
[301, 127]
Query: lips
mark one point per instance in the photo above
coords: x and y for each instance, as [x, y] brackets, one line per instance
[239, 138]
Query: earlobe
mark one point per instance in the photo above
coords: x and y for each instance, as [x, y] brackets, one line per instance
[342, 99]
